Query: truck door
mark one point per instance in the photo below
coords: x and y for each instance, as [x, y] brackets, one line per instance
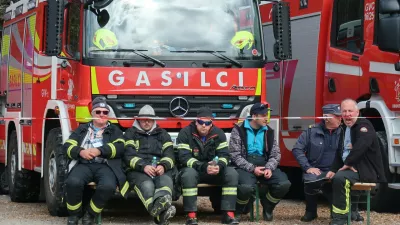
[342, 68]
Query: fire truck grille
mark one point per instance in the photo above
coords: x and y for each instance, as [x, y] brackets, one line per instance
[180, 106]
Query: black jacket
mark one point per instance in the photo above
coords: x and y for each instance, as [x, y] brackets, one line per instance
[141, 147]
[196, 154]
[365, 155]
[112, 150]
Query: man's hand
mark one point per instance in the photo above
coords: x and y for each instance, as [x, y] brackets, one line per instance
[314, 171]
[86, 154]
[258, 171]
[94, 152]
[330, 175]
[348, 168]
[267, 173]
[149, 170]
[160, 170]
[212, 170]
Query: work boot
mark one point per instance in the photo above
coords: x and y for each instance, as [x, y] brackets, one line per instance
[163, 218]
[268, 209]
[355, 216]
[73, 220]
[309, 216]
[88, 219]
[338, 222]
[161, 204]
[191, 221]
[226, 219]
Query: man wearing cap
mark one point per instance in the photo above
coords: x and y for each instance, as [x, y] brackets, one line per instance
[256, 155]
[315, 151]
[96, 151]
[199, 144]
[358, 159]
[150, 161]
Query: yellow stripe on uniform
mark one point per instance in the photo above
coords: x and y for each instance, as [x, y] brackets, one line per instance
[166, 145]
[74, 207]
[347, 195]
[113, 150]
[229, 191]
[189, 192]
[272, 199]
[119, 140]
[133, 162]
[222, 145]
[184, 146]
[69, 150]
[147, 202]
[240, 202]
[167, 159]
[165, 188]
[94, 207]
[190, 162]
[72, 142]
[224, 160]
[124, 188]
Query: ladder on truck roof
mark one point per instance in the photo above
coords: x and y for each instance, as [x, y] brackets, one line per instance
[18, 7]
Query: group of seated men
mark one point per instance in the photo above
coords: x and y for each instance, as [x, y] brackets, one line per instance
[142, 159]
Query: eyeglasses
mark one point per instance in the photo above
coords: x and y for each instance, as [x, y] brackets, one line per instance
[202, 122]
[98, 112]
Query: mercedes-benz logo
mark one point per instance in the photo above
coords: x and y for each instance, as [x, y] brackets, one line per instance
[179, 107]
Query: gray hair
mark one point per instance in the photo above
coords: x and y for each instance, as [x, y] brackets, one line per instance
[350, 100]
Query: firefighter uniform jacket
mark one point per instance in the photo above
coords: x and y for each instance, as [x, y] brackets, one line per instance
[365, 155]
[112, 150]
[142, 146]
[195, 153]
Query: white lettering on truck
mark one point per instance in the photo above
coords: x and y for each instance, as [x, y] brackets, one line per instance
[115, 78]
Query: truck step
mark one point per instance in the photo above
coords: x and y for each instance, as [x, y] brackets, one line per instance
[37, 169]
[394, 185]
[394, 164]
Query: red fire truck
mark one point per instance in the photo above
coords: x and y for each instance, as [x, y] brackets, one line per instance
[177, 56]
[341, 49]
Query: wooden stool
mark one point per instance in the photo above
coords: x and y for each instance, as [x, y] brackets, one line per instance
[362, 187]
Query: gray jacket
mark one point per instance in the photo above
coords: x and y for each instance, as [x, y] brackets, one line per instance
[238, 149]
[311, 144]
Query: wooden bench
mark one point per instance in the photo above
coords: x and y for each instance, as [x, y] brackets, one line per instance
[367, 187]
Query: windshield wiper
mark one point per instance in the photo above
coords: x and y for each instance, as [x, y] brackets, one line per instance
[137, 52]
[217, 54]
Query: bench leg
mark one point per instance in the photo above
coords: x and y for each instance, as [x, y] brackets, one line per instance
[349, 213]
[257, 204]
[98, 219]
[368, 205]
[252, 213]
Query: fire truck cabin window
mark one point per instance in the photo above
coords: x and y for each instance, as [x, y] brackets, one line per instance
[73, 27]
[349, 25]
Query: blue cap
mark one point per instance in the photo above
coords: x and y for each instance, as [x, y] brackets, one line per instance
[332, 109]
[259, 108]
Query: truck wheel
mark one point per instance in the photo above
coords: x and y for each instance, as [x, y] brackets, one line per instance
[24, 185]
[382, 196]
[54, 173]
[3, 180]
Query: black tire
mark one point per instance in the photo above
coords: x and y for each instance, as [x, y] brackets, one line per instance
[3, 180]
[55, 166]
[24, 185]
[382, 196]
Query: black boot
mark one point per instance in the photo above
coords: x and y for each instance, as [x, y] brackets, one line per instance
[355, 215]
[309, 216]
[226, 219]
[73, 220]
[268, 210]
[88, 219]
[163, 218]
[191, 221]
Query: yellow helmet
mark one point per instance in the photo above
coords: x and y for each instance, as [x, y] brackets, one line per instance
[242, 38]
[104, 39]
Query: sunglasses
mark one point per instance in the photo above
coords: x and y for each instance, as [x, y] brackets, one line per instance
[202, 122]
[98, 112]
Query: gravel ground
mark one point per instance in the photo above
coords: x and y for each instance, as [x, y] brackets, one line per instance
[288, 212]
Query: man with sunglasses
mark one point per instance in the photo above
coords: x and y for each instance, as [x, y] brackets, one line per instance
[150, 161]
[256, 155]
[95, 151]
[198, 145]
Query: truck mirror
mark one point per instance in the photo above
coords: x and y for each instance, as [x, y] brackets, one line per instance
[54, 27]
[388, 26]
[282, 32]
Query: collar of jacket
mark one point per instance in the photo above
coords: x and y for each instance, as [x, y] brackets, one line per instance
[249, 127]
[109, 128]
[156, 130]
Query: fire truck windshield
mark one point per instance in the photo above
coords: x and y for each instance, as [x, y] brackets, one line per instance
[173, 29]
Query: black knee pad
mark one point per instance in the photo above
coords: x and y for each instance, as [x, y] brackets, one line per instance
[245, 190]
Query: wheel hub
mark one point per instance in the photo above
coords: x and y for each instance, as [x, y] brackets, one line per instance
[52, 173]
[13, 167]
